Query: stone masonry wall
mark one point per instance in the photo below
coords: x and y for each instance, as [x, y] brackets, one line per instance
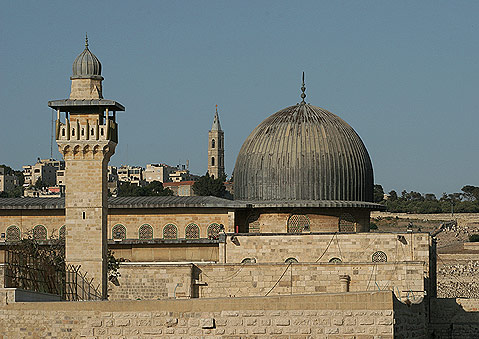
[358, 247]
[405, 279]
[132, 219]
[454, 318]
[463, 219]
[353, 315]
[151, 282]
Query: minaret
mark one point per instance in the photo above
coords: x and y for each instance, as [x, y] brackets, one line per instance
[87, 135]
[216, 150]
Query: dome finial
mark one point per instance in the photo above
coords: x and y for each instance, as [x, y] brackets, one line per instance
[303, 89]
[86, 40]
[216, 109]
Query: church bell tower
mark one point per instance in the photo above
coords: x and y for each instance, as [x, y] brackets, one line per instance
[87, 134]
[216, 151]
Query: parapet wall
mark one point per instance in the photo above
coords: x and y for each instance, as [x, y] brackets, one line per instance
[349, 247]
[369, 315]
[149, 281]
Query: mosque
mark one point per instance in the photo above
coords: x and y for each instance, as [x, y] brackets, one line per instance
[299, 223]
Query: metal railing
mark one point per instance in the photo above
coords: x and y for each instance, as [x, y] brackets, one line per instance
[35, 273]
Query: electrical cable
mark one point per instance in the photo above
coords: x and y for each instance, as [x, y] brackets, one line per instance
[327, 247]
[277, 282]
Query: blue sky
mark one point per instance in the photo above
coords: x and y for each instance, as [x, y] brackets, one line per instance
[403, 74]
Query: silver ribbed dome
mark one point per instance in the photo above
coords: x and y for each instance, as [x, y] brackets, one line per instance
[303, 152]
[86, 65]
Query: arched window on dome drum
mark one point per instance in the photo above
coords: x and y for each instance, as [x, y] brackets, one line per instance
[212, 161]
[379, 256]
[192, 231]
[214, 231]
[145, 232]
[170, 231]
[347, 223]
[335, 260]
[213, 143]
[118, 232]
[298, 223]
[62, 232]
[13, 233]
[40, 232]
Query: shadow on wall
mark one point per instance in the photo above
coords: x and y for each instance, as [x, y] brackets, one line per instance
[454, 318]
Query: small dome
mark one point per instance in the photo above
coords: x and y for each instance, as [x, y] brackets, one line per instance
[303, 152]
[86, 65]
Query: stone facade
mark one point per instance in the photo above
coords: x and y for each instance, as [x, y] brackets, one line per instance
[366, 315]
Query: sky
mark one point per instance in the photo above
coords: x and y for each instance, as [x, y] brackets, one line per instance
[403, 74]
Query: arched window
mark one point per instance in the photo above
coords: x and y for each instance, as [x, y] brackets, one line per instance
[145, 232]
[213, 143]
[212, 161]
[170, 231]
[13, 233]
[248, 261]
[192, 231]
[214, 231]
[379, 256]
[298, 223]
[62, 232]
[40, 232]
[220, 142]
[291, 261]
[118, 232]
[347, 223]
[335, 260]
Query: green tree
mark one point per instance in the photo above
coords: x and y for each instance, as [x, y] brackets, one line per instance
[393, 196]
[208, 186]
[471, 193]
[155, 188]
[378, 193]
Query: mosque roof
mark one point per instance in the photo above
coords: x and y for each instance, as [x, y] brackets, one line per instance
[125, 202]
[303, 153]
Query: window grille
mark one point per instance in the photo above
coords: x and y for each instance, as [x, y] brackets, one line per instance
[13, 233]
[291, 260]
[214, 231]
[298, 223]
[145, 232]
[62, 232]
[118, 232]
[40, 232]
[335, 260]
[347, 223]
[379, 256]
[192, 231]
[170, 232]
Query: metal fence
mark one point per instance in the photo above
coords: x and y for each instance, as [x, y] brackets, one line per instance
[34, 273]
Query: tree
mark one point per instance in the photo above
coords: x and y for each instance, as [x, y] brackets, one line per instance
[206, 186]
[378, 193]
[393, 195]
[39, 184]
[155, 188]
[471, 193]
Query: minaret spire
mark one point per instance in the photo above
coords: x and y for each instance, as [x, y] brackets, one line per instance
[303, 89]
[86, 40]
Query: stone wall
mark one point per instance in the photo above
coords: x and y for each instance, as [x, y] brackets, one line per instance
[333, 316]
[406, 279]
[152, 282]
[132, 219]
[454, 318]
[356, 247]
[463, 219]
[161, 281]
[410, 321]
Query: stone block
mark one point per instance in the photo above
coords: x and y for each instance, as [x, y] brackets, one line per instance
[207, 323]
